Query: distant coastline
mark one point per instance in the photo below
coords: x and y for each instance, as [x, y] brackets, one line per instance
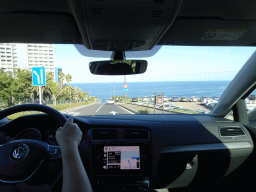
[170, 88]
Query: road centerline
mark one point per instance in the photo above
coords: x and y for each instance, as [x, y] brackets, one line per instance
[99, 108]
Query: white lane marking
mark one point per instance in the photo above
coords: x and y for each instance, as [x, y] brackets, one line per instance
[73, 113]
[99, 108]
[126, 110]
[77, 108]
[113, 112]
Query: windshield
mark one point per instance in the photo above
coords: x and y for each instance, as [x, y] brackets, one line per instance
[175, 74]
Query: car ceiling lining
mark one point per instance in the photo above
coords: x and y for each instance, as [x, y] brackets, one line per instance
[145, 22]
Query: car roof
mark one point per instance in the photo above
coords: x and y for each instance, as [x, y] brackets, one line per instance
[181, 22]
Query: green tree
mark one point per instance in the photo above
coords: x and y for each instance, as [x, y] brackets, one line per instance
[5, 83]
[54, 90]
[49, 76]
[21, 86]
[69, 79]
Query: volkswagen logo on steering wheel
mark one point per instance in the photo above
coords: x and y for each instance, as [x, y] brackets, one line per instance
[19, 152]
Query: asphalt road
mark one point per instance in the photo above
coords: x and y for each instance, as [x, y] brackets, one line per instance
[99, 109]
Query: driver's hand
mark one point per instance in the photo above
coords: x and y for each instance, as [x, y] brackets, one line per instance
[69, 135]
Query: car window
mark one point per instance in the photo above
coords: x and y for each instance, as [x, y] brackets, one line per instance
[174, 71]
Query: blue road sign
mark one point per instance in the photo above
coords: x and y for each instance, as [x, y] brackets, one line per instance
[125, 89]
[38, 76]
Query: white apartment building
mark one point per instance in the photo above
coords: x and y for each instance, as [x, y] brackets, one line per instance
[8, 55]
[26, 56]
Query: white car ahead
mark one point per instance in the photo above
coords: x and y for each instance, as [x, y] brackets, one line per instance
[110, 101]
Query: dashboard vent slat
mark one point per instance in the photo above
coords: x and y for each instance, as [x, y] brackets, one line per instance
[104, 134]
[111, 133]
[231, 132]
[136, 134]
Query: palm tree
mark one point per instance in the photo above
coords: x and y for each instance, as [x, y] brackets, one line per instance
[61, 79]
[69, 79]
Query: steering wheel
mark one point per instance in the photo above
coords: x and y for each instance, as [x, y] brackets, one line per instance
[20, 159]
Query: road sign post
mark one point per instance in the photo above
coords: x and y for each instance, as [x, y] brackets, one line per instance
[125, 88]
[158, 100]
[39, 79]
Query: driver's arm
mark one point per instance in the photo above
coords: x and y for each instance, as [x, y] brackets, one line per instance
[74, 174]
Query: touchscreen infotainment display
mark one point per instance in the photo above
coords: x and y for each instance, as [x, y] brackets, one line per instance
[121, 157]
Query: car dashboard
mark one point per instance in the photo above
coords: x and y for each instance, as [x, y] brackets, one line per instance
[145, 152]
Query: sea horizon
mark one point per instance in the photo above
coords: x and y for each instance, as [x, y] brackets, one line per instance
[106, 90]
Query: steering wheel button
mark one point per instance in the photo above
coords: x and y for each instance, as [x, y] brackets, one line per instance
[53, 151]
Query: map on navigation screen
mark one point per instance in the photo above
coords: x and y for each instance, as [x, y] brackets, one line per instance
[121, 157]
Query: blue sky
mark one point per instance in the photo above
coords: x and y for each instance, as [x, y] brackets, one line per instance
[170, 63]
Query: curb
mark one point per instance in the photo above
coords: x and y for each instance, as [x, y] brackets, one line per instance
[129, 109]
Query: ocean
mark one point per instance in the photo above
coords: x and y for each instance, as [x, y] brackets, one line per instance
[170, 88]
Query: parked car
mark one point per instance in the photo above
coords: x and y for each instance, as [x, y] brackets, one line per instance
[38, 102]
[203, 100]
[210, 102]
[110, 101]
[145, 98]
[184, 99]
[193, 99]
[175, 99]
[165, 99]
[135, 99]
[252, 97]
[215, 98]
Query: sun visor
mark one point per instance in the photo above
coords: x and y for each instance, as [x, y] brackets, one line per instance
[210, 32]
[131, 25]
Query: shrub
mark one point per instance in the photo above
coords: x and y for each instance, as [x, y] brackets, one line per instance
[143, 111]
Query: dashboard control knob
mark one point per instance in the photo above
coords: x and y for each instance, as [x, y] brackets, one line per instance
[143, 156]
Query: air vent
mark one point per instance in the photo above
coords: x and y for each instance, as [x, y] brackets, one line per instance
[104, 134]
[157, 13]
[97, 11]
[231, 132]
[111, 133]
[136, 134]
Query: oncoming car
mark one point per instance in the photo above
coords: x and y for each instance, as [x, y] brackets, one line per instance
[90, 50]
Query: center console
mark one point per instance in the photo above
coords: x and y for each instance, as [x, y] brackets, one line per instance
[122, 164]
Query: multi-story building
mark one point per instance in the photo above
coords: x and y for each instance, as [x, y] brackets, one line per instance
[27, 56]
[8, 54]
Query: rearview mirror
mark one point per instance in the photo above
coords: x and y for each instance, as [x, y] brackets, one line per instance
[118, 67]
